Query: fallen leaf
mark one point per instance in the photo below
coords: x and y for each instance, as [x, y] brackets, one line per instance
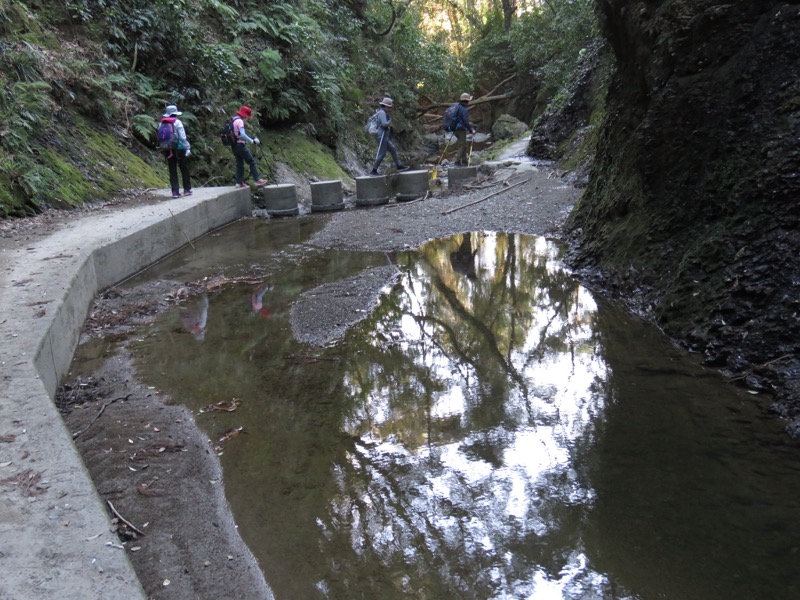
[231, 433]
[222, 406]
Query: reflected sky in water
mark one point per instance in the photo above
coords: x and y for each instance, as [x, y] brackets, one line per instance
[490, 430]
[478, 387]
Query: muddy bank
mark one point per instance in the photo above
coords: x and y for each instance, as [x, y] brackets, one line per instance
[148, 457]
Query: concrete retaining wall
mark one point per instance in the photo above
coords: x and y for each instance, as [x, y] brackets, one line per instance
[54, 545]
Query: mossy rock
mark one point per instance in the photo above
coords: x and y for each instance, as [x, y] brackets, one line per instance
[508, 128]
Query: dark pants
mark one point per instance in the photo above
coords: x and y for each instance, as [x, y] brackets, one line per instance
[242, 154]
[461, 146]
[176, 159]
[385, 145]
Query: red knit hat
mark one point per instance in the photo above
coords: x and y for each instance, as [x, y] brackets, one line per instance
[245, 112]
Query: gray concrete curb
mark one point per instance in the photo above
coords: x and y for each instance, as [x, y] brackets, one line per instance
[55, 532]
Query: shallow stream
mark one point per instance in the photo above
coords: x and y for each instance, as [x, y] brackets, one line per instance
[490, 429]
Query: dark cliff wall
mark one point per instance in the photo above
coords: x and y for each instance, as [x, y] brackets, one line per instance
[693, 203]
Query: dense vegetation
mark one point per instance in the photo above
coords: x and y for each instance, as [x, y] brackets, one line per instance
[83, 82]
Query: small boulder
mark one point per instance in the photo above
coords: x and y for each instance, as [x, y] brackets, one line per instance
[508, 128]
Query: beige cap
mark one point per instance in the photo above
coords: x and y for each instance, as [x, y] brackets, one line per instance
[465, 97]
[387, 102]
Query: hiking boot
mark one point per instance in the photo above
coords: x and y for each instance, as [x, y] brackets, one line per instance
[242, 185]
[176, 195]
[261, 182]
[402, 168]
[374, 172]
[188, 192]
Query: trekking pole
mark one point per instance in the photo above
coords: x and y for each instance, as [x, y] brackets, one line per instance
[469, 157]
[434, 172]
[378, 153]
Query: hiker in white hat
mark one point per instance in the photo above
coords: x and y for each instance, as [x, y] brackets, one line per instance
[175, 147]
[384, 123]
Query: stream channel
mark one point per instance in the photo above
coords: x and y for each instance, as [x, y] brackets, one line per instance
[488, 429]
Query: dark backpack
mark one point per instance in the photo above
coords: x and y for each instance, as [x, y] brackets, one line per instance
[227, 136]
[450, 117]
[167, 139]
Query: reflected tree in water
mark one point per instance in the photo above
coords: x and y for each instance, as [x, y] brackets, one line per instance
[434, 499]
[429, 453]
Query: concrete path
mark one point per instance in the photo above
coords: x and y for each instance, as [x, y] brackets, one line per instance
[56, 539]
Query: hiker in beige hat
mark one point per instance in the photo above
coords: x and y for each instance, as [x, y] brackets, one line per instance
[382, 135]
[460, 126]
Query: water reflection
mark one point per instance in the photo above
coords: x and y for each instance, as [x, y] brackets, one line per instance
[195, 317]
[475, 392]
[490, 431]
[257, 301]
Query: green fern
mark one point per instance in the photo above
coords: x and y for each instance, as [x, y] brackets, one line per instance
[144, 126]
[269, 66]
[223, 10]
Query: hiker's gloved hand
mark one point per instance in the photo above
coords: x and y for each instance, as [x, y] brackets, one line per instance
[256, 141]
[188, 152]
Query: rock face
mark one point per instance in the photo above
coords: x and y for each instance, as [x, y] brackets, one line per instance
[693, 203]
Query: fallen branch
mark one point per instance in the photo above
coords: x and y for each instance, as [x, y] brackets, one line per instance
[425, 197]
[310, 357]
[85, 429]
[487, 97]
[761, 366]
[447, 212]
[181, 230]
[124, 520]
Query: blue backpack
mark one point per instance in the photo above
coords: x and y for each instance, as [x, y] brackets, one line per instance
[450, 117]
[167, 138]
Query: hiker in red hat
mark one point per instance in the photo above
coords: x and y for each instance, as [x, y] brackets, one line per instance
[240, 150]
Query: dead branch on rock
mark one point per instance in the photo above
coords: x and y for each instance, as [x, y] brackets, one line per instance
[761, 366]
